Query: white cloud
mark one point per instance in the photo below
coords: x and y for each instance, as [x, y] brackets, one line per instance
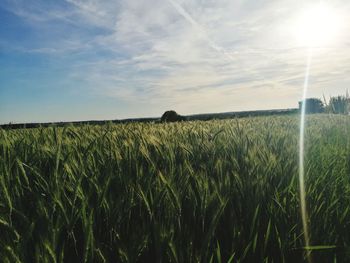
[199, 55]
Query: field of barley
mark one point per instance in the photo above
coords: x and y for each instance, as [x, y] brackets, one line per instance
[215, 191]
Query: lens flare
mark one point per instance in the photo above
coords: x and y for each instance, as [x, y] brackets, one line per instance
[301, 155]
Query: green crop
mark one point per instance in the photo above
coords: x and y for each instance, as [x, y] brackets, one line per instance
[216, 191]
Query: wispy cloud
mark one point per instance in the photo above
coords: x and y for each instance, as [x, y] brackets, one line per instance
[194, 55]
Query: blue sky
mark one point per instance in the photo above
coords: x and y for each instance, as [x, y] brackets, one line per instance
[65, 60]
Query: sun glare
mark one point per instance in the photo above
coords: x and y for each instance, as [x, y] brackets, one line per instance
[318, 26]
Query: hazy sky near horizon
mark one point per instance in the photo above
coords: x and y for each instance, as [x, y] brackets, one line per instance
[64, 60]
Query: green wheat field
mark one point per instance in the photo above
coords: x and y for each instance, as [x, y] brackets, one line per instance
[215, 191]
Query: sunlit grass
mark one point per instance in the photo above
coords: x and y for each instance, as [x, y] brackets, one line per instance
[217, 191]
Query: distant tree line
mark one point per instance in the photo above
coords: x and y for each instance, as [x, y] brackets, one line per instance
[335, 105]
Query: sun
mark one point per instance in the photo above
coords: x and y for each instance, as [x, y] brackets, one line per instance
[318, 26]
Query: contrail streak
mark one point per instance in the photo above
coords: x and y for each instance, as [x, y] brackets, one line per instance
[215, 46]
[200, 29]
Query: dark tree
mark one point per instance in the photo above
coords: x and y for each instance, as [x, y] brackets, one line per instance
[172, 116]
[339, 105]
[312, 105]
